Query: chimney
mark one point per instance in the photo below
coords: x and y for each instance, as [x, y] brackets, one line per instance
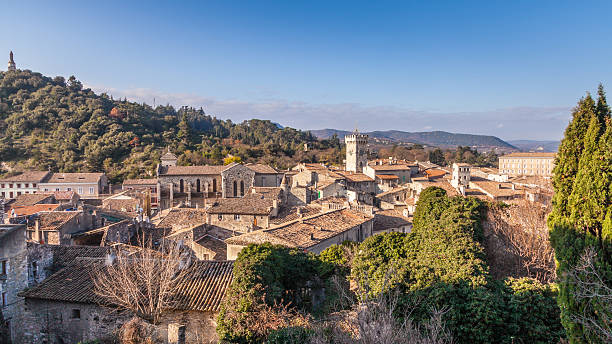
[274, 204]
[311, 236]
[37, 230]
[499, 186]
[513, 186]
[298, 211]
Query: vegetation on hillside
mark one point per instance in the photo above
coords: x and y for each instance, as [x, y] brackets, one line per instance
[56, 124]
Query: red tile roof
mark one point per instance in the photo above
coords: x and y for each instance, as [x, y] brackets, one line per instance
[529, 155]
[32, 209]
[140, 182]
[386, 176]
[74, 178]
[192, 170]
[261, 168]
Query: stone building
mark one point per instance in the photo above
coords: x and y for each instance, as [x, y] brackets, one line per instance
[86, 185]
[24, 265]
[356, 154]
[391, 167]
[311, 233]
[243, 215]
[23, 183]
[13, 272]
[64, 308]
[57, 227]
[191, 185]
[527, 164]
[461, 175]
[265, 176]
[392, 220]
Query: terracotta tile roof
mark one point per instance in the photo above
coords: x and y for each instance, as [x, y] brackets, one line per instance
[529, 155]
[32, 209]
[291, 214]
[192, 170]
[129, 205]
[28, 176]
[386, 176]
[306, 232]
[441, 183]
[261, 168]
[215, 245]
[62, 195]
[394, 167]
[54, 220]
[183, 218]
[392, 218]
[74, 178]
[267, 192]
[204, 286]
[140, 181]
[434, 173]
[73, 283]
[168, 156]
[393, 191]
[253, 204]
[31, 199]
[355, 177]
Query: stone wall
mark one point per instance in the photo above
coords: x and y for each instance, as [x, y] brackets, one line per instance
[14, 253]
[238, 174]
[63, 322]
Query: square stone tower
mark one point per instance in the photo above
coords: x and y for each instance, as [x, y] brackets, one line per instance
[356, 155]
[461, 175]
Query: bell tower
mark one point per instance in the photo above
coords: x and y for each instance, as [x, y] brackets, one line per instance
[356, 155]
[11, 62]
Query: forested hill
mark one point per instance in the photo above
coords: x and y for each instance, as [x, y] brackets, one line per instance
[431, 138]
[56, 124]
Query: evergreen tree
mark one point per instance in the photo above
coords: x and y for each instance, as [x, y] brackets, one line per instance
[570, 150]
[582, 208]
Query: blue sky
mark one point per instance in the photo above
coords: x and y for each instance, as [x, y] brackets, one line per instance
[512, 69]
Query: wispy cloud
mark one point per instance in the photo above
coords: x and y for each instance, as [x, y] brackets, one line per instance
[544, 123]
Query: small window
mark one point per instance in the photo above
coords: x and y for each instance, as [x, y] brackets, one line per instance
[91, 190]
[80, 189]
[220, 217]
[4, 301]
[11, 186]
[236, 217]
[2, 186]
[57, 189]
[46, 189]
[3, 267]
[76, 314]
[34, 185]
[68, 189]
[34, 270]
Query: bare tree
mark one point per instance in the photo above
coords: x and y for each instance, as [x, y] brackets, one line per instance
[373, 320]
[517, 237]
[141, 281]
[589, 284]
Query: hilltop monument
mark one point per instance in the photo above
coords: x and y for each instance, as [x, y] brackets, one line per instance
[11, 63]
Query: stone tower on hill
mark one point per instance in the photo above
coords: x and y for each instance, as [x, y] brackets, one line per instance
[356, 155]
[11, 63]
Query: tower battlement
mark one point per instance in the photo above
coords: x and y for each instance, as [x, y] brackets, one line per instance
[356, 155]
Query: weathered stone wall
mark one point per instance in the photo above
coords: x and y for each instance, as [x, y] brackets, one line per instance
[56, 322]
[239, 174]
[268, 180]
[13, 252]
[357, 234]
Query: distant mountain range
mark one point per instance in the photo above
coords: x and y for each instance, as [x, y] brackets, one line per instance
[430, 138]
[536, 146]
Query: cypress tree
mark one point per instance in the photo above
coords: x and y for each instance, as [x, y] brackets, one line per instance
[582, 208]
[570, 150]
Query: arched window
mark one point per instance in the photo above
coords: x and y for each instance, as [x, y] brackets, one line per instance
[198, 185]
[241, 188]
[235, 189]
[181, 186]
[214, 185]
